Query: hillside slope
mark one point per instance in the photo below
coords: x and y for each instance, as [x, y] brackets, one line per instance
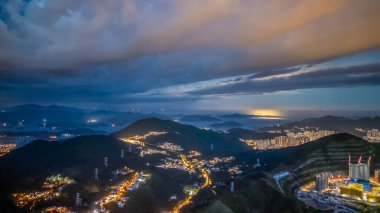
[256, 189]
[41, 158]
[187, 136]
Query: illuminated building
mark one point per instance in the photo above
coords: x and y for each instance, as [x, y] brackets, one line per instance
[117, 194]
[357, 186]
[51, 189]
[373, 136]
[364, 171]
[352, 190]
[140, 139]
[360, 170]
[290, 139]
[321, 181]
[9, 143]
[6, 148]
[193, 154]
[355, 171]
[170, 147]
[57, 209]
[377, 175]
[374, 196]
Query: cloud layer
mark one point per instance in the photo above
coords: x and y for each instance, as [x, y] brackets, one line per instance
[117, 50]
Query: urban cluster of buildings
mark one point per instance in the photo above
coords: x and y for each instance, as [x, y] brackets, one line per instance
[217, 160]
[9, 143]
[54, 209]
[373, 136]
[6, 148]
[193, 154]
[173, 163]
[358, 185]
[290, 139]
[150, 151]
[139, 139]
[55, 181]
[118, 193]
[359, 170]
[51, 189]
[170, 147]
[234, 170]
[321, 181]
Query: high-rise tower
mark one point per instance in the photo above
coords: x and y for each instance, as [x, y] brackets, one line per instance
[359, 170]
[105, 161]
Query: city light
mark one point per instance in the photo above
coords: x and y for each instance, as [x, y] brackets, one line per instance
[139, 139]
[10, 143]
[290, 139]
[51, 189]
[337, 189]
[118, 193]
[57, 209]
[6, 148]
[373, 136]
[203, 174]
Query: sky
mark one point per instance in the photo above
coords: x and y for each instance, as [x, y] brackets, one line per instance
[178, 55]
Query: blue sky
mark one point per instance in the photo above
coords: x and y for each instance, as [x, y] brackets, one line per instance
[206, 55]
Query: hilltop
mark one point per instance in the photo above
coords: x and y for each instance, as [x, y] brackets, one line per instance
[187, 136]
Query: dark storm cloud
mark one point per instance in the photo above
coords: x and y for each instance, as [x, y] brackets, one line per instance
[129, 50]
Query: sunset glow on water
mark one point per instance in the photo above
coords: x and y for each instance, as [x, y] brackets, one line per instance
[267, 113]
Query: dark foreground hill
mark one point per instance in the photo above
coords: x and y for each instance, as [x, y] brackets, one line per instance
[254, 194]
[187, 136]
[24, 170]
[41, 157]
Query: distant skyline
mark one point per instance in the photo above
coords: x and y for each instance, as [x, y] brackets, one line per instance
[193, 56]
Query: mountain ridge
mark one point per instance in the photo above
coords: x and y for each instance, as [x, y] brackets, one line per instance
[188, 136]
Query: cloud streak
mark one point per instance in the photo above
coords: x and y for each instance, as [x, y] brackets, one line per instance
[305, 77]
